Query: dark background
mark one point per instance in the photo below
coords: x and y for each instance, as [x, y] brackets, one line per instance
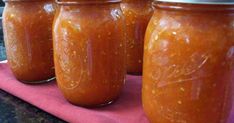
[1, 3]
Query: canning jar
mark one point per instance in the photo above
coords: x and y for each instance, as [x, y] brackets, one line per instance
[137, 14]
[188, 62]
[89, 51]
[27, 26]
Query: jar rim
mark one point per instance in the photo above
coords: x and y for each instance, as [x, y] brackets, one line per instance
[202, 2]
[192, 7]
[59, 2]
[21, 0]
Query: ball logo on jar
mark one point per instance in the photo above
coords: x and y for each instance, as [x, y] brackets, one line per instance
[73, 65]
[167, 73]
[68, 70]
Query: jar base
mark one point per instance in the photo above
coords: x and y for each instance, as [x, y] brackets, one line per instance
[95, 106]
[38, 82]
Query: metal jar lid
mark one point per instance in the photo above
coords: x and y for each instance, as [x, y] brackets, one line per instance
[213, 2]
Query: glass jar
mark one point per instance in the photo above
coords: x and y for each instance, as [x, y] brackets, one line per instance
[188, 62]
[137, 15]
[27, 27]
[89, 51]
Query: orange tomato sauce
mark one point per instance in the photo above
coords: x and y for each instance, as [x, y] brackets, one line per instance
[137, 14]
[188, 64]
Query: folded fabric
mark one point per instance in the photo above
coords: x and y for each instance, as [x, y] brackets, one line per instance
[127, 109]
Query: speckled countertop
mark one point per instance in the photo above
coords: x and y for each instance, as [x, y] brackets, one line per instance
[14, 110]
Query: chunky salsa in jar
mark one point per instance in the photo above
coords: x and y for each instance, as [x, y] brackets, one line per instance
[89, 51]
[137, 15]
[188, 63]
[27, 27]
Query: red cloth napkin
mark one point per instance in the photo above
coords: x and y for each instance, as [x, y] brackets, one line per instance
[127, 109]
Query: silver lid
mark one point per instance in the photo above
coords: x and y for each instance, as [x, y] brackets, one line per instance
[215, 2]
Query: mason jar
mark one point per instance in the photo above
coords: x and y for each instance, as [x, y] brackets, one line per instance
[137, 14]
[89, 51]
[188, 62]
[27, 27]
